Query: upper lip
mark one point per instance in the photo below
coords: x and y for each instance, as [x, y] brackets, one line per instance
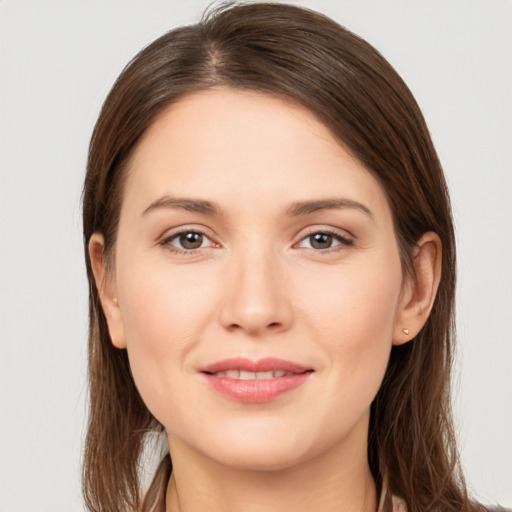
[266, 364]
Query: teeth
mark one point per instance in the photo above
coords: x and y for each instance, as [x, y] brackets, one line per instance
[244, 375]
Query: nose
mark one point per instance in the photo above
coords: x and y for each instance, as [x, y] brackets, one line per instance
[255, 299]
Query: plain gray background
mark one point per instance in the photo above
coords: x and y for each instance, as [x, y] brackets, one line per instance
[58, 60]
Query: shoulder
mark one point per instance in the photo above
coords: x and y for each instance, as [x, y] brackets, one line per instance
[398, 505]
[478, 507]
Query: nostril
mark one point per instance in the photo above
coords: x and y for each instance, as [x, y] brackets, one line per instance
[235, 326]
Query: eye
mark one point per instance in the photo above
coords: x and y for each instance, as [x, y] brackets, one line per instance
[186, 241]
[322, 240]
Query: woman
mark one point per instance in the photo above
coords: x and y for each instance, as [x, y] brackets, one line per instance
[271, 262]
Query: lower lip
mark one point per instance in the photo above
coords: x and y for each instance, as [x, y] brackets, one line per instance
[256, 390]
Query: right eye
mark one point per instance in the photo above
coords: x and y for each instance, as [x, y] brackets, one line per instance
[187, 241]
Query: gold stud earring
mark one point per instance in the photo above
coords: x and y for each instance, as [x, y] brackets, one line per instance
[405, 331]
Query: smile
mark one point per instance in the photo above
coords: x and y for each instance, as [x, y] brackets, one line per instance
[259, 381]
[245, 375]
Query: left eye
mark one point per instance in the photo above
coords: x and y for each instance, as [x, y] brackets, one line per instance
[188, 240]
[323, 240]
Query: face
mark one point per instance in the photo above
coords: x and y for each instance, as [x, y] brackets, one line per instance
[258, 281]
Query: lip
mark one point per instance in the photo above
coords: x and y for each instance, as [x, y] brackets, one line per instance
[256, 390]
[266, 364]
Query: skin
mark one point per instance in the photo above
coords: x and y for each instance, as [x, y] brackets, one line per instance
[259, 287]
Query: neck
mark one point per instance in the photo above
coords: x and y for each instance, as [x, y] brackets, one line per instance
[336, 481]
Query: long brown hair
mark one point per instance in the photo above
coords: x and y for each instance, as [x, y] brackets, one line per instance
[295, 53]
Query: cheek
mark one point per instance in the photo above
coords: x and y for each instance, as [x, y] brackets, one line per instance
[164, 311]
[161, 308]
[359, 301]
[353, 318]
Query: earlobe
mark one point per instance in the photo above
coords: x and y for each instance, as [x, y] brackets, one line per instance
[105, 284]
[420, 291]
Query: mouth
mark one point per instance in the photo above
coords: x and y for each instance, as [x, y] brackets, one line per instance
[259, 381]
[245, 375]
[246, 369]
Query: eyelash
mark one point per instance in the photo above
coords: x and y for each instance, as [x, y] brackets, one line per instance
[166, 242]
[343, 241]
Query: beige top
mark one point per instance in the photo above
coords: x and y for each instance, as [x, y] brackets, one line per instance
[398, 504]
[390, 503]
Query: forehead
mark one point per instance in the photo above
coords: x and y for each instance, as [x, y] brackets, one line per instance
[248, 147]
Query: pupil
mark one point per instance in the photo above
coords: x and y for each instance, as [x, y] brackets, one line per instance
[191, 240]
[321, 241]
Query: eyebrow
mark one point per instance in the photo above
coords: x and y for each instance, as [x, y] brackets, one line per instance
[294, 210]
[306, 207]
[191, 205]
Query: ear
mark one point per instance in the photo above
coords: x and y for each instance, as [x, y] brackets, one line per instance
[419, 292]
[105, 283]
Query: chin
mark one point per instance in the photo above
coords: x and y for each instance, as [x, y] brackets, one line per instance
[257, 457]
[263, 445]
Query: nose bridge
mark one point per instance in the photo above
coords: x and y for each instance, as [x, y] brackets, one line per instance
[256, 298]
